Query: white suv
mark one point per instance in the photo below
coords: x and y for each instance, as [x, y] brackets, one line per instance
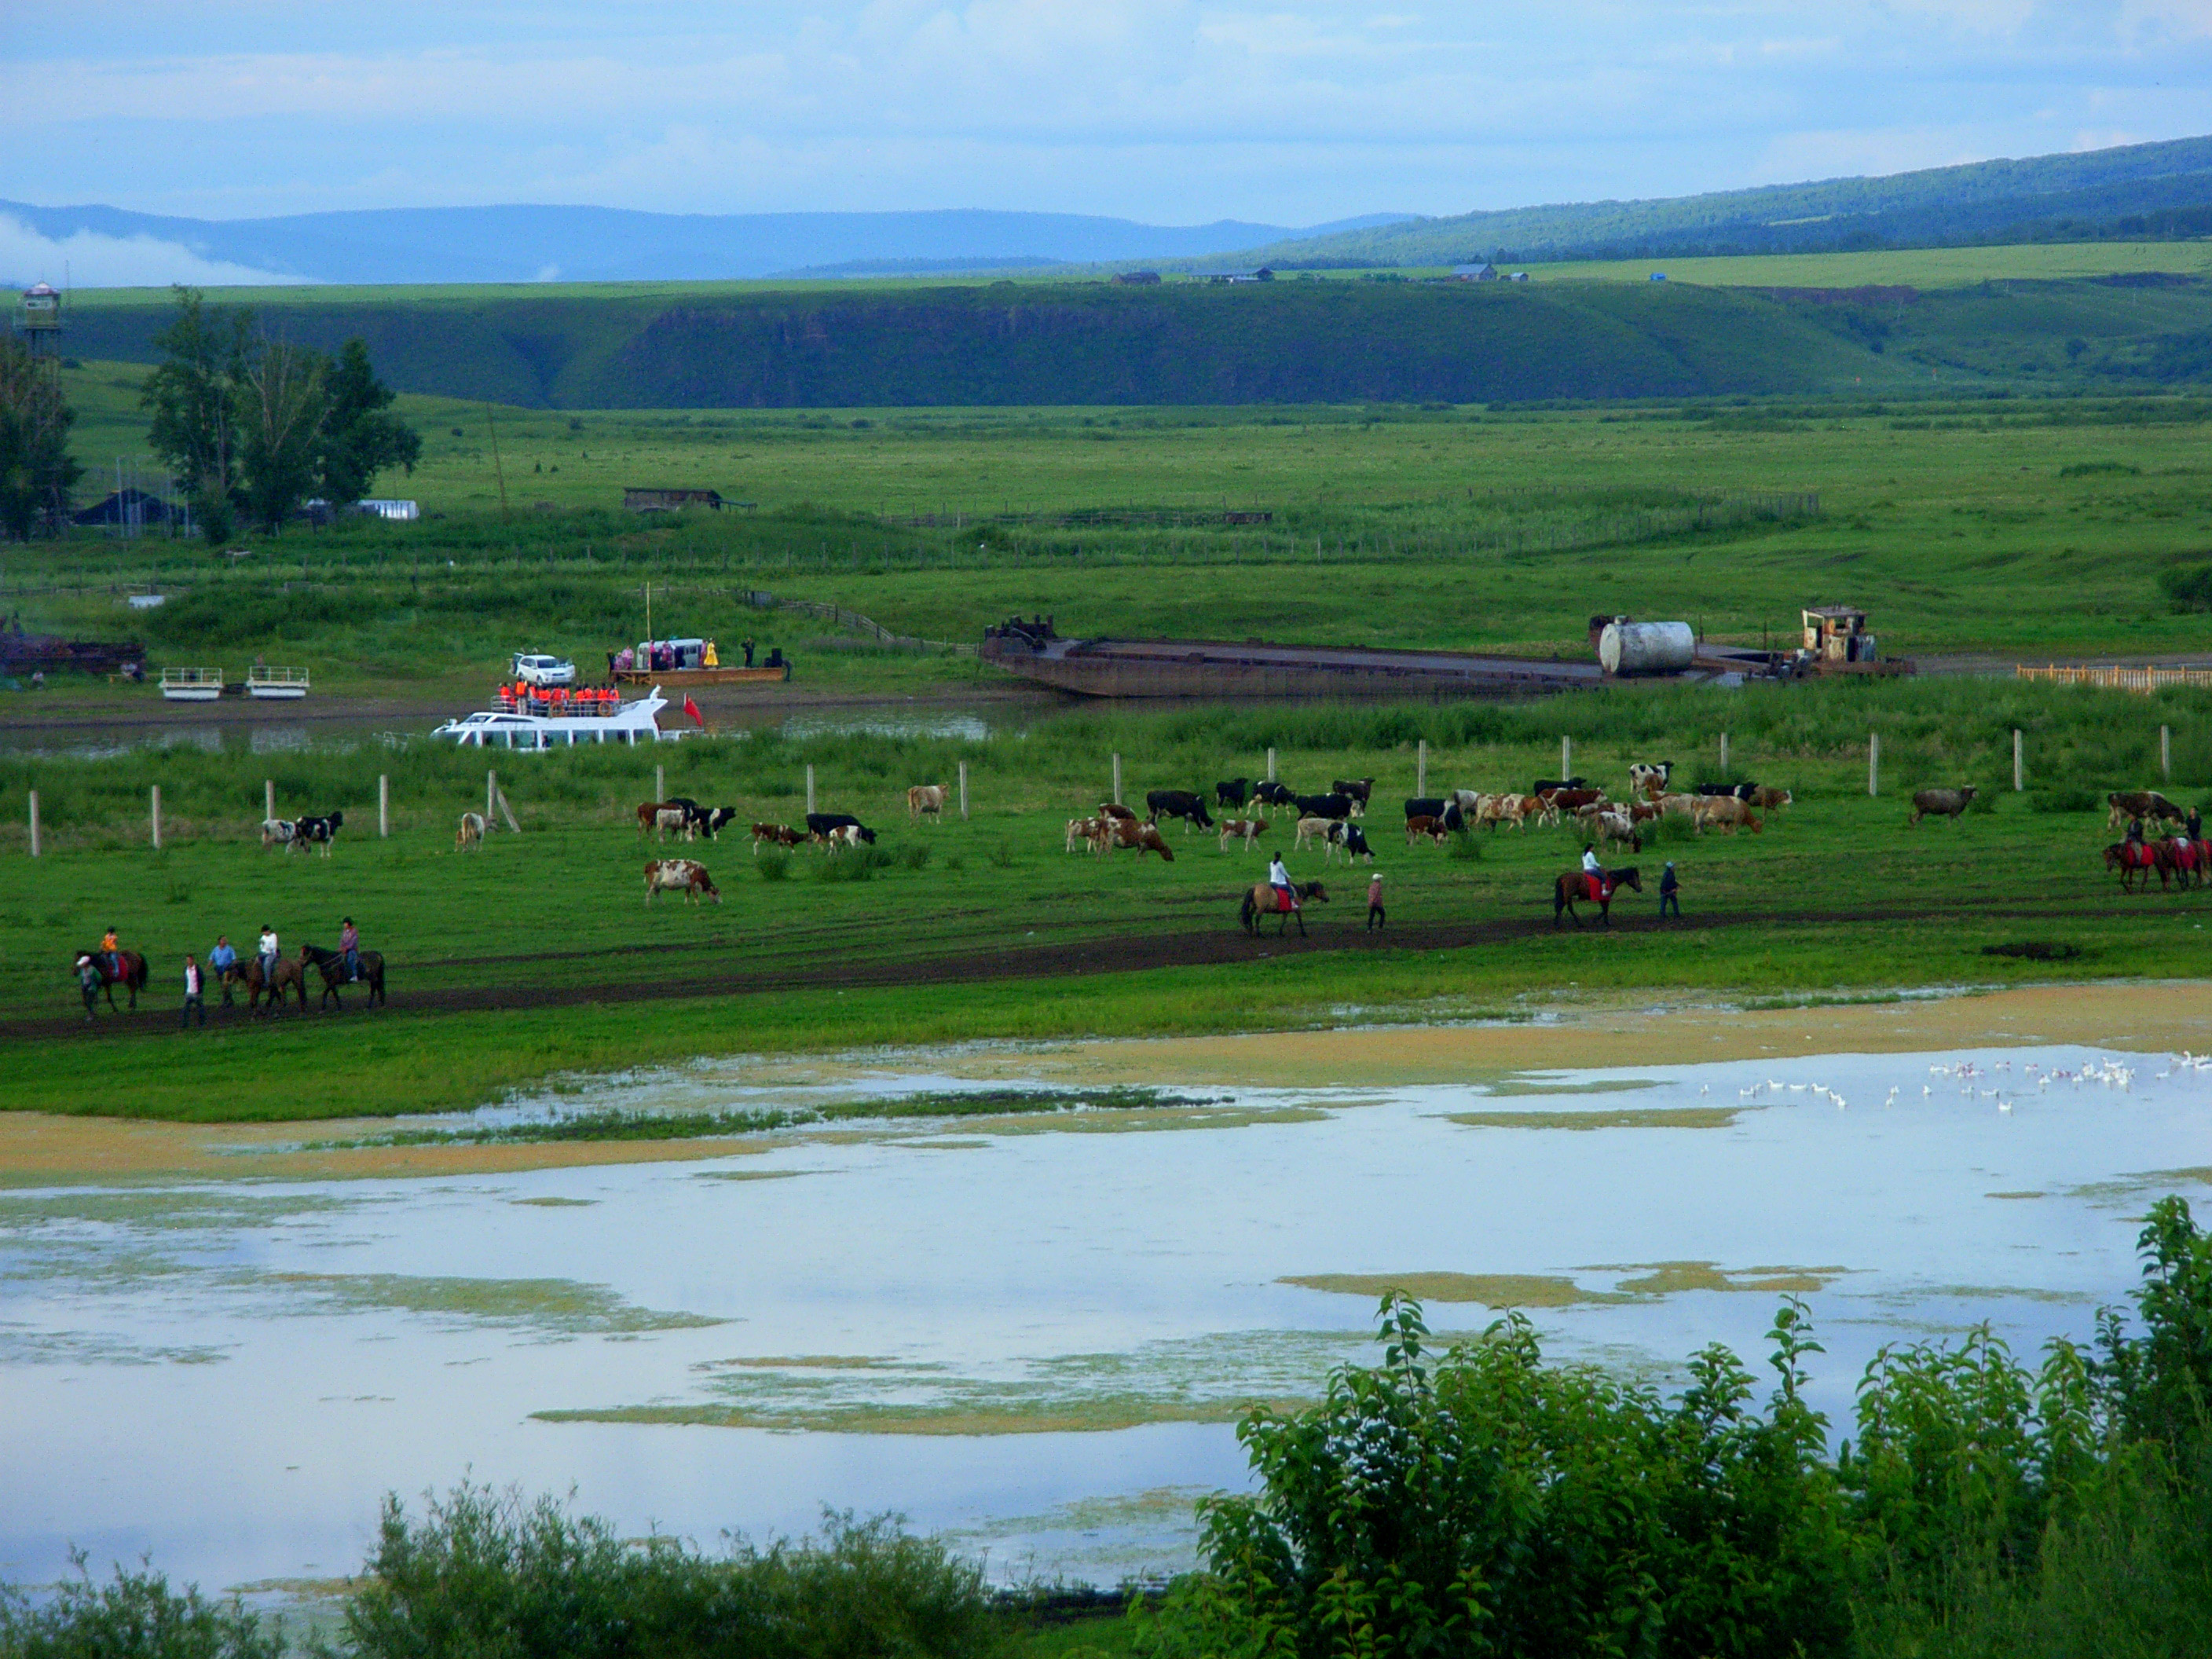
[537, 670]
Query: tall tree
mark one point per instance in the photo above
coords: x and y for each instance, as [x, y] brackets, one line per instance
[361, 436]
[37, 470]
[195, 395]
[282, 404]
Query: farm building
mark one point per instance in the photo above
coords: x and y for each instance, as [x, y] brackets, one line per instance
[1483, 272]
[671, 501]
[1137, 278]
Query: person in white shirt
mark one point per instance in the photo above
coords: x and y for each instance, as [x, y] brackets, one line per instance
[268, 954]
[1279, 878]
[195, 999]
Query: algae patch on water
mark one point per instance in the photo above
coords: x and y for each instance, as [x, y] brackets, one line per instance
[557, 1203]
[1491, 1289]
[1541, 1086]
[1671, 1278]
[560, 1305]
[1626, 1117]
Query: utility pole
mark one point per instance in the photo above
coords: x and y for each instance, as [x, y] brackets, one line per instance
[498, 472]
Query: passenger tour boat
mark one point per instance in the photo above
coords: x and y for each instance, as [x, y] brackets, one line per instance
[535, 723]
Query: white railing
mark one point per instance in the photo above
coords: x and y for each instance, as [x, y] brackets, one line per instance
[2118, 678]
[259, 675]
[183, 677]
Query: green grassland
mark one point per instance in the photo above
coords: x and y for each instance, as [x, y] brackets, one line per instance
[2036, 527]
[1836, 895]
[1910, 267]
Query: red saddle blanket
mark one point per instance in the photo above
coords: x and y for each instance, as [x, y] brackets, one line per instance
[1280, 903]
[1597, 888]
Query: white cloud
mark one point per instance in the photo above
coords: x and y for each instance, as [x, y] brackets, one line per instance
[88, 259]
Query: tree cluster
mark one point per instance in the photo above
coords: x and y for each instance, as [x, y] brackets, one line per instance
[37, 470]
[254, 427]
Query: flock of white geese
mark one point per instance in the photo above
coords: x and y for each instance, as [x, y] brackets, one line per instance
[2005, 1085]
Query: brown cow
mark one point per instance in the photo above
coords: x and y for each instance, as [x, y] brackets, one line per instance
[1573, 800]
[1110, 808]
[2127, 803]
[1724, 812]
[1144, 837]
[685, 876]
[1424, 825]
[926, 800]
[1768, 797]
[776, 835]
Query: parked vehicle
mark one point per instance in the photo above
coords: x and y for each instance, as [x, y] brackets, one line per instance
[538, 669]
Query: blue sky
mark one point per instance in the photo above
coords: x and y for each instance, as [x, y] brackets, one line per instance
[1169, 110]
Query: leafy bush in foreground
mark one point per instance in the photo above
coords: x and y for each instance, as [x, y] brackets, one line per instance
[134, 1616]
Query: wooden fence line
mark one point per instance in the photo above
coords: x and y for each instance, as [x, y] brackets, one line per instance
[2117, 676]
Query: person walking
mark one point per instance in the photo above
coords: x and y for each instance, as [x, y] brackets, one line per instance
[1375, 917]
[221, 961]
[349, 943]
[1670, 889]
[88, 982]
[195, 997]
[747, 642]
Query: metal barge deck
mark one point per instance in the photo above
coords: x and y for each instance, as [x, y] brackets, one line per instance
[1213, 668]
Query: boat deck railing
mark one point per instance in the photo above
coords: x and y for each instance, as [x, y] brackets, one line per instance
[192, 677]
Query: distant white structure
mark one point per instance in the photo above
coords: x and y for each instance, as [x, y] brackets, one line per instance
[399, 512]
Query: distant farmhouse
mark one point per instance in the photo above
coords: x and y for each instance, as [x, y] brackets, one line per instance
[1139, 278]
[1485, 272]
[670, 501]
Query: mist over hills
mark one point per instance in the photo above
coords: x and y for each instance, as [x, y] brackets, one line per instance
[522, 244]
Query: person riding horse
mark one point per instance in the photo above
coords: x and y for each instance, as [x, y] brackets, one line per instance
[112, 954]
[1279, 877]
[1594, 870]
[350, 944]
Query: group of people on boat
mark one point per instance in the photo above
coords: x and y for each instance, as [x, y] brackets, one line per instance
[575, 703]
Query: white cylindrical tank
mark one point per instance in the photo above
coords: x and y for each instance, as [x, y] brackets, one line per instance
[1646, 648]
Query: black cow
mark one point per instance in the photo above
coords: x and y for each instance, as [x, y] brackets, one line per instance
[1232, 792]
[1179, 803]
[1741, 790]
[1361, 790]
[1446, 812]
[713, 820]
[1350, 837]
[318, 833]
[1274, 794]
[821, 824]
[1337, 807]
[1545, 786]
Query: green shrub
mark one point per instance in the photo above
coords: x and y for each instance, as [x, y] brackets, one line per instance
[775, 867]
[1465, 847]
[915, 856]
[2070, 800]
[136, 1615]
[2187, 586]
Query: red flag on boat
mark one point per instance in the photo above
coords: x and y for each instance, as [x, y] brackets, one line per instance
[692, 709]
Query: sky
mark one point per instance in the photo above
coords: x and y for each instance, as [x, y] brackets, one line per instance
[1172, 112]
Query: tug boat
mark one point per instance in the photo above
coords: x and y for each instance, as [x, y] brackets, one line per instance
[192, 684]
[521, 727]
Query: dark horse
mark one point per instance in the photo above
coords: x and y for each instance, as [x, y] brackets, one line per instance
[1264, 900]
[246, 971]
[1576, 884]
[132, 979]
[2133, 858]
[332, 963]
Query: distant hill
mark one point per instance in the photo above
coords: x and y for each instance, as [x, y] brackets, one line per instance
[592, 244]
[2133, 190]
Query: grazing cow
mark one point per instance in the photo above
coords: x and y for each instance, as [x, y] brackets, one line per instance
[926, 800]
[1350, 840]
[776, 835]
[1179, 803]
[1649, 778]
[276, 832]
[1269, 792]
[819, 824]
[1446, 812]
[1939, 803]
[716, 818]
[845, 834]
[694, 816]
[673, 821]
[1325, 806]
[2127, 803]
[1359, 790]
[471, 832]
[1081, 830]
[685, 876]
[1144, 837]
[1311, 829]
[648, 814]
[1618, 826]
[1232, 792]
[1741, 790]
[1546, 785]
[1679, 806]
[1245, 830]
[1421, 825]
[1113, 809]
[1514, 811]
[1767, 797]
[1724, 813]
[1645, 812]
[1571, 800]
[319, 833]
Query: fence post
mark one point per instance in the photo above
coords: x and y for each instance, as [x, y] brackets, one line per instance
[1421, 769]
[1117, 780]
[1566, 757]
[155, 815]
[2019, 762]
[491, 796]
[1271, 763]
[383, 804]
[963, 792]
[268, 797]
[2166, 753]
[1874, 763]
[1724, 766]
[810, 787]
[34, 824]
[660, 788]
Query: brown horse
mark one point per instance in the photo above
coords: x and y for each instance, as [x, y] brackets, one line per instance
[2133, 858]
[1264, 901]
[246, 971]
[132, 979]
[1578, 884]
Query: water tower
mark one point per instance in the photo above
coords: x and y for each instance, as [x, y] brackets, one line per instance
[42, 319]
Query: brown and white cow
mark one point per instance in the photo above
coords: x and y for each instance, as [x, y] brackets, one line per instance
[1423, 823]
[1649, 778]
[1768, 797]
[2127, 803]
[471, 831]
[1311, 830]
[685, 876]
[1244, 830]
[1144, 837]
[1572, 800]
[1083, 832]
[1621, 827]
[1114, 810]
[1724, 813]
[776, 835]
[673, 820]
[926, 800]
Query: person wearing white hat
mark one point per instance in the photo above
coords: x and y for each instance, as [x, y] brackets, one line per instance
[1375, 917]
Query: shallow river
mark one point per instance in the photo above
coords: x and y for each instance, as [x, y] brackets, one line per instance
[1029, 1333]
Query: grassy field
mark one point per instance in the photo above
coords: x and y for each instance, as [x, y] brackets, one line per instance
[2037, 528]
[1838, 896]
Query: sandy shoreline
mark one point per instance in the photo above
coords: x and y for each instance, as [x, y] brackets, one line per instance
[38, 1149]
